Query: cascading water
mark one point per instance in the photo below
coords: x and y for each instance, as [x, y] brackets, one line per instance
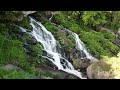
[49, 43]
[81, 47]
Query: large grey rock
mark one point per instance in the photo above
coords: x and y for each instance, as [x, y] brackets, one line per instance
[44, 77]
[9, 67]
[99, 70]
[118, 31]
[28, 12]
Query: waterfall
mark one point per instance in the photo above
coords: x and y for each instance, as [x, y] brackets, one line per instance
[81, 47]
[79, 44]
[52, 47]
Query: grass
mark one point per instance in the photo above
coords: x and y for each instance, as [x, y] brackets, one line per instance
[15, 74]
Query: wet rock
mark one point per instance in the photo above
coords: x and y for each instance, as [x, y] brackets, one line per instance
[69, 76]
[17, 30]
[84, 63]
[117, 42]
[33, 41]
[30, 40]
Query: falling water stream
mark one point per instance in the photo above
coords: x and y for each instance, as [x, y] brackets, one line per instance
[53, 48]
[81, 47]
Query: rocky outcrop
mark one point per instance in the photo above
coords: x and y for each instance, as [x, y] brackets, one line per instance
[99, 70]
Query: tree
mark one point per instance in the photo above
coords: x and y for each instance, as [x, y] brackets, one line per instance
[94, 17]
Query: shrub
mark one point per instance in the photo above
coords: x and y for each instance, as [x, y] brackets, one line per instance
[115, 64]
[15, 74]
[12, 50]
[25, 23]
[98, 45]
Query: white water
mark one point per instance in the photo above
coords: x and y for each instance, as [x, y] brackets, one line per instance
[49, 43]
[81, 47]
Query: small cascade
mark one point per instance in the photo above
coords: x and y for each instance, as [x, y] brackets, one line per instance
[53, 48]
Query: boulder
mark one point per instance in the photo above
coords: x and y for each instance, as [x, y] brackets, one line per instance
[28, 12]
[99, 70]
[44, 77]
[9, 67]
[118, 32]
[84, 63]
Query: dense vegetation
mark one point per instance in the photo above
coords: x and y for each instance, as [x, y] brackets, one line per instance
[97, 29]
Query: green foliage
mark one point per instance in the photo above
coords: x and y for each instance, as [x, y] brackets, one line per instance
[70, 44]
[115, 64]
[73, 14]
[98, 45]
[49, 74]
[50, 27]
[25, 23]
[27, 38]
[61, 36]
[9, 16]
[66, 22]
[12, 50]
[15, 74]
[108, 36]
[35, 50]
[94, 17]
[5, 29]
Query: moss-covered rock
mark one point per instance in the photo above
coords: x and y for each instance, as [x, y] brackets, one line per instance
[100, 70]
[76, 63]
[115, 64]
